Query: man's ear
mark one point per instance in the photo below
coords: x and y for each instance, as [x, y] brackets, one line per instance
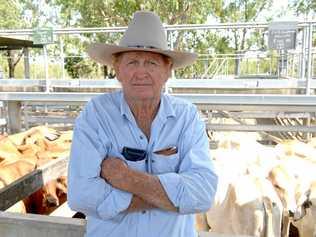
[116, 69]
[170, 71]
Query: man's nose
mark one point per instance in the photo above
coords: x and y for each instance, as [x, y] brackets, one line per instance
[142, 68]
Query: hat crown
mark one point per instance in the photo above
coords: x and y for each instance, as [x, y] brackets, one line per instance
[145, 31]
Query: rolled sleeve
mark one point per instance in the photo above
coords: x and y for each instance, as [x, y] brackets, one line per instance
[190, 192]
[193, 188]
[171, 183]
[94, 197]
[115, 203]
[87, 191]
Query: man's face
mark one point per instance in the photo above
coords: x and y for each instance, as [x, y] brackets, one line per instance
[142, 74]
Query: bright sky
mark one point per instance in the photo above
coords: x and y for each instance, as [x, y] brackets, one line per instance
[281, 7]
[280, 3]
[278, 11]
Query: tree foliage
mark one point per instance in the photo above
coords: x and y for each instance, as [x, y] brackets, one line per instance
[95, 13]
[109, 13]
[99, 13]
[304, 6]
[10, 14]
[240, 11]
[78, 67]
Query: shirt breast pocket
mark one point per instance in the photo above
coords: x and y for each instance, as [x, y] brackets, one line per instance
[165, 163]
[137, 165]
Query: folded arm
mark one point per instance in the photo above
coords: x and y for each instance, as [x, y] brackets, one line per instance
[190, 190]
[146, 189]
[87, 191]
[137, 204]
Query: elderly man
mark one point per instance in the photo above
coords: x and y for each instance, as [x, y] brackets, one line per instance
[139, 162]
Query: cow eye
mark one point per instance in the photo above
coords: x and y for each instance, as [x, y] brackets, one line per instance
[277, 186]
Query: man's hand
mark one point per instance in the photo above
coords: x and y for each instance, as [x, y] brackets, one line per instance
[115, 172]
[143, 185]
[137, 204]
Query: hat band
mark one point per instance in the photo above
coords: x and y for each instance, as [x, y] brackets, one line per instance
[142, 46]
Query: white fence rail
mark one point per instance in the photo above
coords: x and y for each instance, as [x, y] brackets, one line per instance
[32, 225]
[300, 106]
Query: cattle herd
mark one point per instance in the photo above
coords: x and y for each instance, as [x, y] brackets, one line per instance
[23, 152]
[262, 191]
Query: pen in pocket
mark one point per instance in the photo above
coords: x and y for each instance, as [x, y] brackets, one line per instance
[167, 151]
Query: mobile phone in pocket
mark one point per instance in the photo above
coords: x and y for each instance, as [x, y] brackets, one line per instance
[133, 154]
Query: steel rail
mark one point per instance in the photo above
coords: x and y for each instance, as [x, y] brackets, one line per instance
[260, 128]
[117, 29]
[215, 99]
[250, 83]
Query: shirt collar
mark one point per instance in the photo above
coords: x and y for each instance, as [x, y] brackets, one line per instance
[125, 110]
[165, 109]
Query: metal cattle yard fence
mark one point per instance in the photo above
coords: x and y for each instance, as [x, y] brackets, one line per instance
[283, 91]
[259, 58]
[287, 71]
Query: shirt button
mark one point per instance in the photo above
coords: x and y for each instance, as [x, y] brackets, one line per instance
[152, 161]
[141, 137]
[143, 212]
[146, 161]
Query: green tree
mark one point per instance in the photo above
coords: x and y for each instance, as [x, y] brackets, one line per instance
[95, 13]
[77, 67]
[239, 11]
[10, 15]
[305, 7]
[99, 13]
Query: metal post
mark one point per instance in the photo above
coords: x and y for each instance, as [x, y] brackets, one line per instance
[282, 63]
[46, 68]
[293, 65]
[257, 62]
[309, 60]
[270, 69]
[62, 58]
[14, 114]
[278, 63]
[26, 63]
[169, 36]
[309, 70]
[172, 47]
[303, 53]
[286, 58]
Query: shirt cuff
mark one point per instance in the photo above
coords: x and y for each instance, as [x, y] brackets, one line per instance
[172, 185]
[116, 202]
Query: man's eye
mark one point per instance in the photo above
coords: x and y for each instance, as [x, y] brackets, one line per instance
[133, 62]
[153, 63]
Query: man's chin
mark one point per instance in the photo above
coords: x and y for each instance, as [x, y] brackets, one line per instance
[145, 97]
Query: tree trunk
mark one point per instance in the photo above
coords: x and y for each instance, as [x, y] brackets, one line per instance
[105, 72]
[11, 64]
[237, 66]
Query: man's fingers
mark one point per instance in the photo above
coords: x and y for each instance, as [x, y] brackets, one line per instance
[112, 168]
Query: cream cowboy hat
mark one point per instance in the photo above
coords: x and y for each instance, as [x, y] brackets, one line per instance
[144, 33]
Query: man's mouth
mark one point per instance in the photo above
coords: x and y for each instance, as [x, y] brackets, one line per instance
[143, 84]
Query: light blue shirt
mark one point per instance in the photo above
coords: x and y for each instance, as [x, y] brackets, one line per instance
[103, 128]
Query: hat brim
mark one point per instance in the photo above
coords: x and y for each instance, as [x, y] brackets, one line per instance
[102, 53]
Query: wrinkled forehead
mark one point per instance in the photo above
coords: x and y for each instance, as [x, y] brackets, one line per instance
[142, 55]
[145, 55]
